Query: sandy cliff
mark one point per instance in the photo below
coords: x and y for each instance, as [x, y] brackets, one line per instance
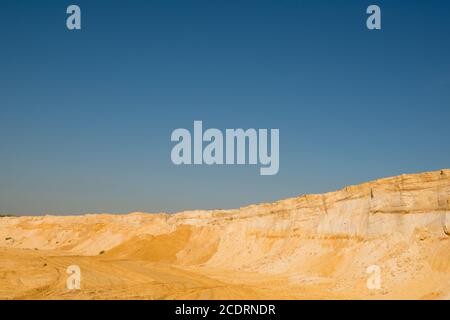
[313, 246]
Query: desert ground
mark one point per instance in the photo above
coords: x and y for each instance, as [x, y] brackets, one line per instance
[308, 247]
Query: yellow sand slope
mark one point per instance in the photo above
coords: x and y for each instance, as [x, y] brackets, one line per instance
[309, 247]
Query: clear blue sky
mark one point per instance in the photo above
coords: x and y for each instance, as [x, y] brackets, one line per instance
[86, 116]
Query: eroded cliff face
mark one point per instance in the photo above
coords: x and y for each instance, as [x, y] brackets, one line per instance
[400, 224]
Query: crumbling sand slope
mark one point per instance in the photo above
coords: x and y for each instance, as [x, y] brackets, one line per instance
[309, 247]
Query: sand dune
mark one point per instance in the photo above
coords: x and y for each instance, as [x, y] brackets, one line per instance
[309, 247]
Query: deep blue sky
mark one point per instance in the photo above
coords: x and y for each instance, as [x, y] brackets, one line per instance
[86, 116]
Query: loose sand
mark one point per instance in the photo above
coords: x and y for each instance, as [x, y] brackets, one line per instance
[309, 247]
